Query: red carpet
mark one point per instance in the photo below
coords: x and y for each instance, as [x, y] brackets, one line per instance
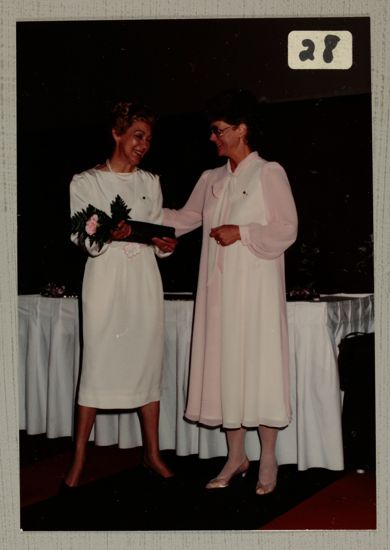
[349, 503]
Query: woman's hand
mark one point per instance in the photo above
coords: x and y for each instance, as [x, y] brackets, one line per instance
[226, 234]
[166, 244]
[121, 232]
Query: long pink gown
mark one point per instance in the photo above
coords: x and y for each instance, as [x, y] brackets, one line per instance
[239, 365]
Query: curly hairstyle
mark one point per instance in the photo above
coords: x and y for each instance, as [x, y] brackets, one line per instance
[235, 107]
[125, 113]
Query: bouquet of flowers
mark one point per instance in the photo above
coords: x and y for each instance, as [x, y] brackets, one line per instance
[95, 225]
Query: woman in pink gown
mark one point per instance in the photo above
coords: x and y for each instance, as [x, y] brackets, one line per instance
[239, 364]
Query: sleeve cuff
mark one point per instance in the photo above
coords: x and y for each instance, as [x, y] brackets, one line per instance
[244, 233]
[93, 250]
[160, 254]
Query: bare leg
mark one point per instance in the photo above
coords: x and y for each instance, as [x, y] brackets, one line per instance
[268, 468]
[149, 416]
[85, 421]
[237, 462]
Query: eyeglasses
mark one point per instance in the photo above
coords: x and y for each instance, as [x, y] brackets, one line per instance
[219, 131]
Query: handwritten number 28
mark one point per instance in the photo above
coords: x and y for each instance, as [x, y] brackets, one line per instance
[330, 40]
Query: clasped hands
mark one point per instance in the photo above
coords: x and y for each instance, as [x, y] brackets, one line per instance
[226, 234]
[166, 244]
[123, 230]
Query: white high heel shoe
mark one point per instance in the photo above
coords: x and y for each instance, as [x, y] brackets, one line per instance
[223, 482]
[267, 488]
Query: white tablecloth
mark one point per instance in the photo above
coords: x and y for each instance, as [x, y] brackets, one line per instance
[49, 353]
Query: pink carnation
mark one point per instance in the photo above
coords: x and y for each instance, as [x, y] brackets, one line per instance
[92, 224]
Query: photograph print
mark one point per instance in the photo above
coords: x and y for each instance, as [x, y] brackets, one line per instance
[151, 445]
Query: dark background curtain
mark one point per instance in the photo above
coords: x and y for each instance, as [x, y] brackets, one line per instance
[317, 124]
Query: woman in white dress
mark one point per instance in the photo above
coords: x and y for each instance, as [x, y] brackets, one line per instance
[239, 361]
[122, 297]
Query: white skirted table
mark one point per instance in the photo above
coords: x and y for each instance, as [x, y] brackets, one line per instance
[49, 359]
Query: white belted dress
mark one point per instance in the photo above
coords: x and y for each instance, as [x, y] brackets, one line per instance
[122, 297]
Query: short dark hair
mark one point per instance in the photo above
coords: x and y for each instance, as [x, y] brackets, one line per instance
[125, 113]
[235, 107]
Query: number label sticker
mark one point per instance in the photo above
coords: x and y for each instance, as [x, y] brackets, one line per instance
[320, 50]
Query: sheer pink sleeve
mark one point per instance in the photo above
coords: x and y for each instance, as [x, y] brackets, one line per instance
[189, 217]
[271, 240]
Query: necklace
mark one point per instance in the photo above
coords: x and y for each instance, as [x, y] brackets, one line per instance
[108, 164]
